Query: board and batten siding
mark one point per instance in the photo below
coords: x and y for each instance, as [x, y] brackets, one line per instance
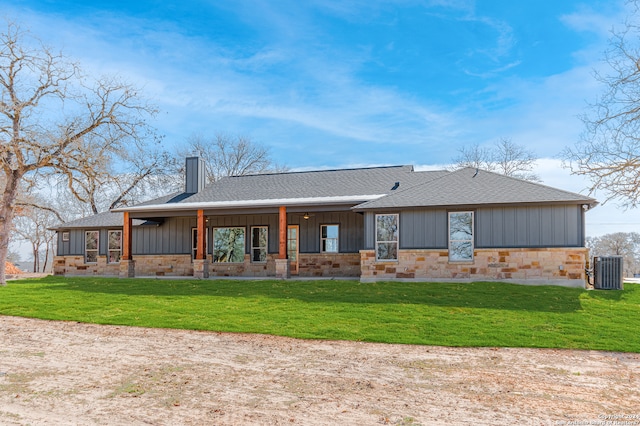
[534, 226]
[350, 232]
[75, 245]
[173, 236]
[170, 237]
[495, 227]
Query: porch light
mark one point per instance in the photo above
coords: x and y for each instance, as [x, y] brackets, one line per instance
[306, 216]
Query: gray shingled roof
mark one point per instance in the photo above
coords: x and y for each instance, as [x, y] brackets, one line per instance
[323, 183]
[363, 189]
[469, 187]
[355, 185]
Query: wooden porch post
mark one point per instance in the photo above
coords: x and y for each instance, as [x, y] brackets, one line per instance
[282, 262]
[200, 253]
[127, 264]
[126, 237]
[282, 253]
[200, 263]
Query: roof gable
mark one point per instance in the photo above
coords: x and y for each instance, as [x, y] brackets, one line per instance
[469, 186]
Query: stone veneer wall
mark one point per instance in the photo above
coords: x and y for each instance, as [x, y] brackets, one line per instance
[329, 265]
[74, 265]
[552, 265]
[245, 269]
[310, 265]
[166, 265]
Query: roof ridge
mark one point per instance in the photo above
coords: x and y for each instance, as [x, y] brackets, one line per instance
[321, 171]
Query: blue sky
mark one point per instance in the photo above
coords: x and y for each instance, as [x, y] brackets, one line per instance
[327, 83]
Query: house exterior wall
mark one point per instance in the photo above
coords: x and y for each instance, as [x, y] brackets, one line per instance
[165, 249]
[495, 227]
[531, 243]
[564, 266]
[174, 235]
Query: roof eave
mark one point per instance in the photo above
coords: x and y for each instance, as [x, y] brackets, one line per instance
[590, 203]
[252, 204]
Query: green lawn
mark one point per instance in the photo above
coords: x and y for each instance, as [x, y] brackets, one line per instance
[450, 314]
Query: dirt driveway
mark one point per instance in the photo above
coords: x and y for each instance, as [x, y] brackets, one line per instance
[64, 373]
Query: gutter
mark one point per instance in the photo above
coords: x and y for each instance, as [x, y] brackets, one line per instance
[275, 202]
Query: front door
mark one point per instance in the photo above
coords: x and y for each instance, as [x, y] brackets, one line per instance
[292, 248]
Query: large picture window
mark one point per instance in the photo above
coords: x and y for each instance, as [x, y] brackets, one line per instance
[460, 236]
[228, 245]
[329, 238]
[259, 243]
[115, 246]
[387, 236]
[91, 239]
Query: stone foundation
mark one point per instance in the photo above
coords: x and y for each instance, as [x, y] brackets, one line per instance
[74, 265]
[310, 265]
[245, 269]
[560, 266]
[148, 265]
[127, 268]
[329, 265]
[201, 268]
[169, 265]
[283, 269]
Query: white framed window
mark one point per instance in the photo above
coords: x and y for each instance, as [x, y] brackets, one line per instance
[329, 238]
[228, 245]
[65, 236]
[387, 236]
[114, 246]
[91, 244]
[259, 243]
[461, 236]
[194, 242]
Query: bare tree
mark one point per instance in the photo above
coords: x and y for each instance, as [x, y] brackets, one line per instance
[474, 156]
[226, 155]
[33, 225]
[608, 152]
[103, 186]
[625, 244]
[503, 157]
[53, 120]
[13, 257]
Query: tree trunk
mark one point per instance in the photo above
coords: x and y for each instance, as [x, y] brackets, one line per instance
[36, 258]
[7, 206]
[46, 257]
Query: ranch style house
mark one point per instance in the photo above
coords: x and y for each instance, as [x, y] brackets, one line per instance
[378, 223]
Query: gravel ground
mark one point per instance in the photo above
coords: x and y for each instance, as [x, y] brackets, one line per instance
[66, 373]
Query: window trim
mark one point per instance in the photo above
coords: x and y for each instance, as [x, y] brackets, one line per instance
[194, 247]
[96, 250]
[396, 242]
[109, 249]
[266, 247]
[244, 231]
[65, 236]
[472, 240]
[323, 239]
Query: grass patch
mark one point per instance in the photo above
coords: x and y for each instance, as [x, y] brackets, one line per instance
[448, 314]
